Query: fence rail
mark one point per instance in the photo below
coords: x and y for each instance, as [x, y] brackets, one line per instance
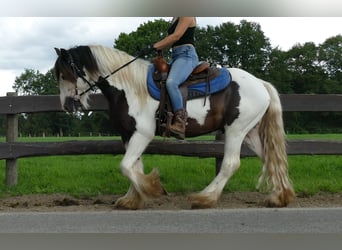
[12, 105]
[51, 103]
[15, 150]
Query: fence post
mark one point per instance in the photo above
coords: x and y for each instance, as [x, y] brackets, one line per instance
[12, 136]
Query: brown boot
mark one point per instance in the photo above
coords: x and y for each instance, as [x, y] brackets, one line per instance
[178, 126]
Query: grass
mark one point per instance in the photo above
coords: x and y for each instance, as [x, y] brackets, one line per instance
[90, 175]
[334, 137]
[313, 174]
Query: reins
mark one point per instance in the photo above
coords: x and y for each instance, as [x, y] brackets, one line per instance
[121, 67]
[81, 74]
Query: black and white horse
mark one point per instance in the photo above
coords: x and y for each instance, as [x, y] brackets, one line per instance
[248, 110]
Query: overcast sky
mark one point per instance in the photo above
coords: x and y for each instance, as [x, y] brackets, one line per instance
[27, 43]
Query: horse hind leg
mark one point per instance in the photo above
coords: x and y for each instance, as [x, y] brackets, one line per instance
[253, 141]
[235, 134]
[209, 197]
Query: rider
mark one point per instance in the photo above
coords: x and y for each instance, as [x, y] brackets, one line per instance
[181, 37]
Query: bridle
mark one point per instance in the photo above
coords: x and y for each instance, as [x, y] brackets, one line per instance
[81, 74]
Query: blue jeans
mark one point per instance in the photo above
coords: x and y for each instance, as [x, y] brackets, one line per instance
[184, 60]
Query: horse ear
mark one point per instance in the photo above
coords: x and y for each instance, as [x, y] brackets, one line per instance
[58, 51]
[64, 54]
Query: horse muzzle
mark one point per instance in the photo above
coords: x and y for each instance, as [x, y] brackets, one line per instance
[72, 105]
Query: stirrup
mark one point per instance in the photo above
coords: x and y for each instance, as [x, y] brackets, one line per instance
[178, 135]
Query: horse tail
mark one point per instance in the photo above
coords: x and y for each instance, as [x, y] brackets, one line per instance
[275, 176]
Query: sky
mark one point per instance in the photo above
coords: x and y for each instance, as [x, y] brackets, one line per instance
[28, 42]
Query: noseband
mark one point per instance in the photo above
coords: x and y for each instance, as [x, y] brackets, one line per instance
[82, 74]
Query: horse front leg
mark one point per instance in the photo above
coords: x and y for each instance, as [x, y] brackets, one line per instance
[132, 198]
[142, 186]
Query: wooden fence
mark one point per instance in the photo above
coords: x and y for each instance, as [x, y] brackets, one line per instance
[11, 150]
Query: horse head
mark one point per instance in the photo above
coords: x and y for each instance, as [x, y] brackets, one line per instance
[73, 69]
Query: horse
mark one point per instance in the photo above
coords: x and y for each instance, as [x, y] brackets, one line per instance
[247, 111]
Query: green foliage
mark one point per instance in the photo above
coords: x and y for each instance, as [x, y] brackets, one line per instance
[276, 71]
[243, 45]
[33, 82]
[330, 56]
[253, 48]
[146, 34]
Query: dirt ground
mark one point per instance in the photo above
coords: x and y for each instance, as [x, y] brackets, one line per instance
[59, 202]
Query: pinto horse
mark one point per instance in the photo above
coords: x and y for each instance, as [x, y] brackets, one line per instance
[248, 110]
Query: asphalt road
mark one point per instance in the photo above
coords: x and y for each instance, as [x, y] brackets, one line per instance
[288, 220]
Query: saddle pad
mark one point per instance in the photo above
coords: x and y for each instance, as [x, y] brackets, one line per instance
[217, 84]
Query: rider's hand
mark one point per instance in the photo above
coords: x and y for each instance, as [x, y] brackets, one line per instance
[148, 50]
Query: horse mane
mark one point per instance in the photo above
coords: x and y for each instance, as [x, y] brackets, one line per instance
[130, 78]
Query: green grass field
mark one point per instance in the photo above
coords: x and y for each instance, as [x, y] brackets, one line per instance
[90, 175]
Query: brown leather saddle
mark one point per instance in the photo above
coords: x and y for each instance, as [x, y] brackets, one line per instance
[202, 73]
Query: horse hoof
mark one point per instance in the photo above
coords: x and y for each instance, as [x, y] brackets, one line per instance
[199, 201]
[151, 185]
[280, 199]
[125, 203]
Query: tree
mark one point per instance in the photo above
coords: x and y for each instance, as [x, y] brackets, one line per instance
[243, 45]
[253, 48]
[277, 73]
[205, 40]
[307, 74]
[33, 82]
[330, 56]
[146, 34]
[218, 44]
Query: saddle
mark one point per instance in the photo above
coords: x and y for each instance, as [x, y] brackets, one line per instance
[202, 73]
